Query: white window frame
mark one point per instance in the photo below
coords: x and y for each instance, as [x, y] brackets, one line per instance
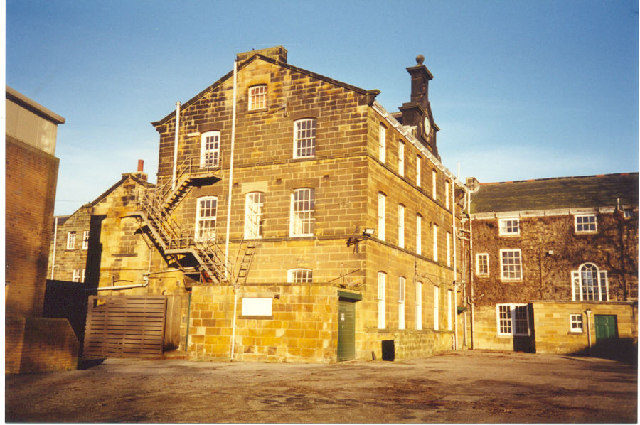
[85, 239]
[575, 319]
[418, 234]
[418, 306]
[304, 138]
[401, 158]
[450, 310]
[200, 234]
[71, 240]
[257, 97]
[299, 276]
[401, 225]
[436, 308]
[76, 275]
[448, 249]
[418, 171]
[402, 282]
[579, 227]
[382, 143]
[381, 215]
[511, 320]
[447, 195]
[435, 243]
[434, 184]
[253, 209]
[210, 155]
[518, 266]
[479, 257]
[581, 293]
[509, 226]
[382, 278]
[302, 215]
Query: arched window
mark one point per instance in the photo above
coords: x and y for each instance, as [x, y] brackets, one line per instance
[589, 284]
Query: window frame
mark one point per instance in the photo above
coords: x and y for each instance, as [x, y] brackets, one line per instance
[602, 284]
[401, 226]
[310, 219]
[448, 249]
[418, 171]
[200, 219]
[214, 152]
[382, 215]
[513, 319]
[311, 139]
[418, 234]
[435, 242]
[450, 310]
[76, 275]
[252, 97]
[576, 224]
[402, 284]
[503, 226]
[572, 321]
[401, 162]
[71, 239]
[418, 306]
[484, 255]
[502, 265]
[253, 223]
[293, 277]
[434, 184]
[85, 240]
[382, 143]
[436, 308]
[447, 195]
[382, 282]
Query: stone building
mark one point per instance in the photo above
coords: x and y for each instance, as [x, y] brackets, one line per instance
[555, 263]
[32, 343]
[301, 221]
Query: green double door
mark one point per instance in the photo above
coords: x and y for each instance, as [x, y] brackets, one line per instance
[606, 327]
[346, 329]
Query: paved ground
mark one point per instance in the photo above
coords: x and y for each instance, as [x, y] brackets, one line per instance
[456, 387]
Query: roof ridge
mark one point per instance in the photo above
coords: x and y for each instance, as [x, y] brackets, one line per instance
[562, 177]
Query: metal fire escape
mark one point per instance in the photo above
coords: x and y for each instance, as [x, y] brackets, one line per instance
[190, 255]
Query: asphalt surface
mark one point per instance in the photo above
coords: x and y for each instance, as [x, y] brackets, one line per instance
[461, 387]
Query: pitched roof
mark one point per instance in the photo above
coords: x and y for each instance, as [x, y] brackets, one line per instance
[559, 192]
[275, 62]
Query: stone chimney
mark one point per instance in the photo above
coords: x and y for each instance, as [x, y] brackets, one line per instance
[278, 53]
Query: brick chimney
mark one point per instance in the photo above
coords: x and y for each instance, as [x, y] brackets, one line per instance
[417, 112]
[141, 165]
[278, 53]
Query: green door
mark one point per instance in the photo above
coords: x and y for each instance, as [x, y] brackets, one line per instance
[606, 327]
[346, 330]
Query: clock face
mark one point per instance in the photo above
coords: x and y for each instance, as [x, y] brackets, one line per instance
[427, 125]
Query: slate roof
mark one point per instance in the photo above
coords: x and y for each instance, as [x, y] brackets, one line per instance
[359, 90]
[561, 192]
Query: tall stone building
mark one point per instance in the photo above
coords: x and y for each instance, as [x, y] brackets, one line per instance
[301, 221]
[555, 263]
[32, 343]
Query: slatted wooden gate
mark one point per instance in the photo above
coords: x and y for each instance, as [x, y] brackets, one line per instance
[124, 326]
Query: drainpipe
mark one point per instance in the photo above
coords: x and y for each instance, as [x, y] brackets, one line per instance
[455, 268]
[471, 264]
[55, 238]
[226, 245]
[175, 146]
[588, 311]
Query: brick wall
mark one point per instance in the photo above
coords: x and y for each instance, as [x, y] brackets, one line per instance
[31, 177]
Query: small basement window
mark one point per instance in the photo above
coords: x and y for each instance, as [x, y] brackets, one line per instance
[257, 307]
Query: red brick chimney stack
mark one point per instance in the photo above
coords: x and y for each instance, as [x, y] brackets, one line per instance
[141, 165]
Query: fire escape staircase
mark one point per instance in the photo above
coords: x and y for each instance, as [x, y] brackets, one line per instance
[192, 256]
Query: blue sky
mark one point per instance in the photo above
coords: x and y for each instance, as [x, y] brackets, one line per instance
[521, 89]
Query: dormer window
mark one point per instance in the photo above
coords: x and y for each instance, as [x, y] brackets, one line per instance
[258, 97]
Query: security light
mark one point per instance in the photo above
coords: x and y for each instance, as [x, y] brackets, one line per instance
[368, 232]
